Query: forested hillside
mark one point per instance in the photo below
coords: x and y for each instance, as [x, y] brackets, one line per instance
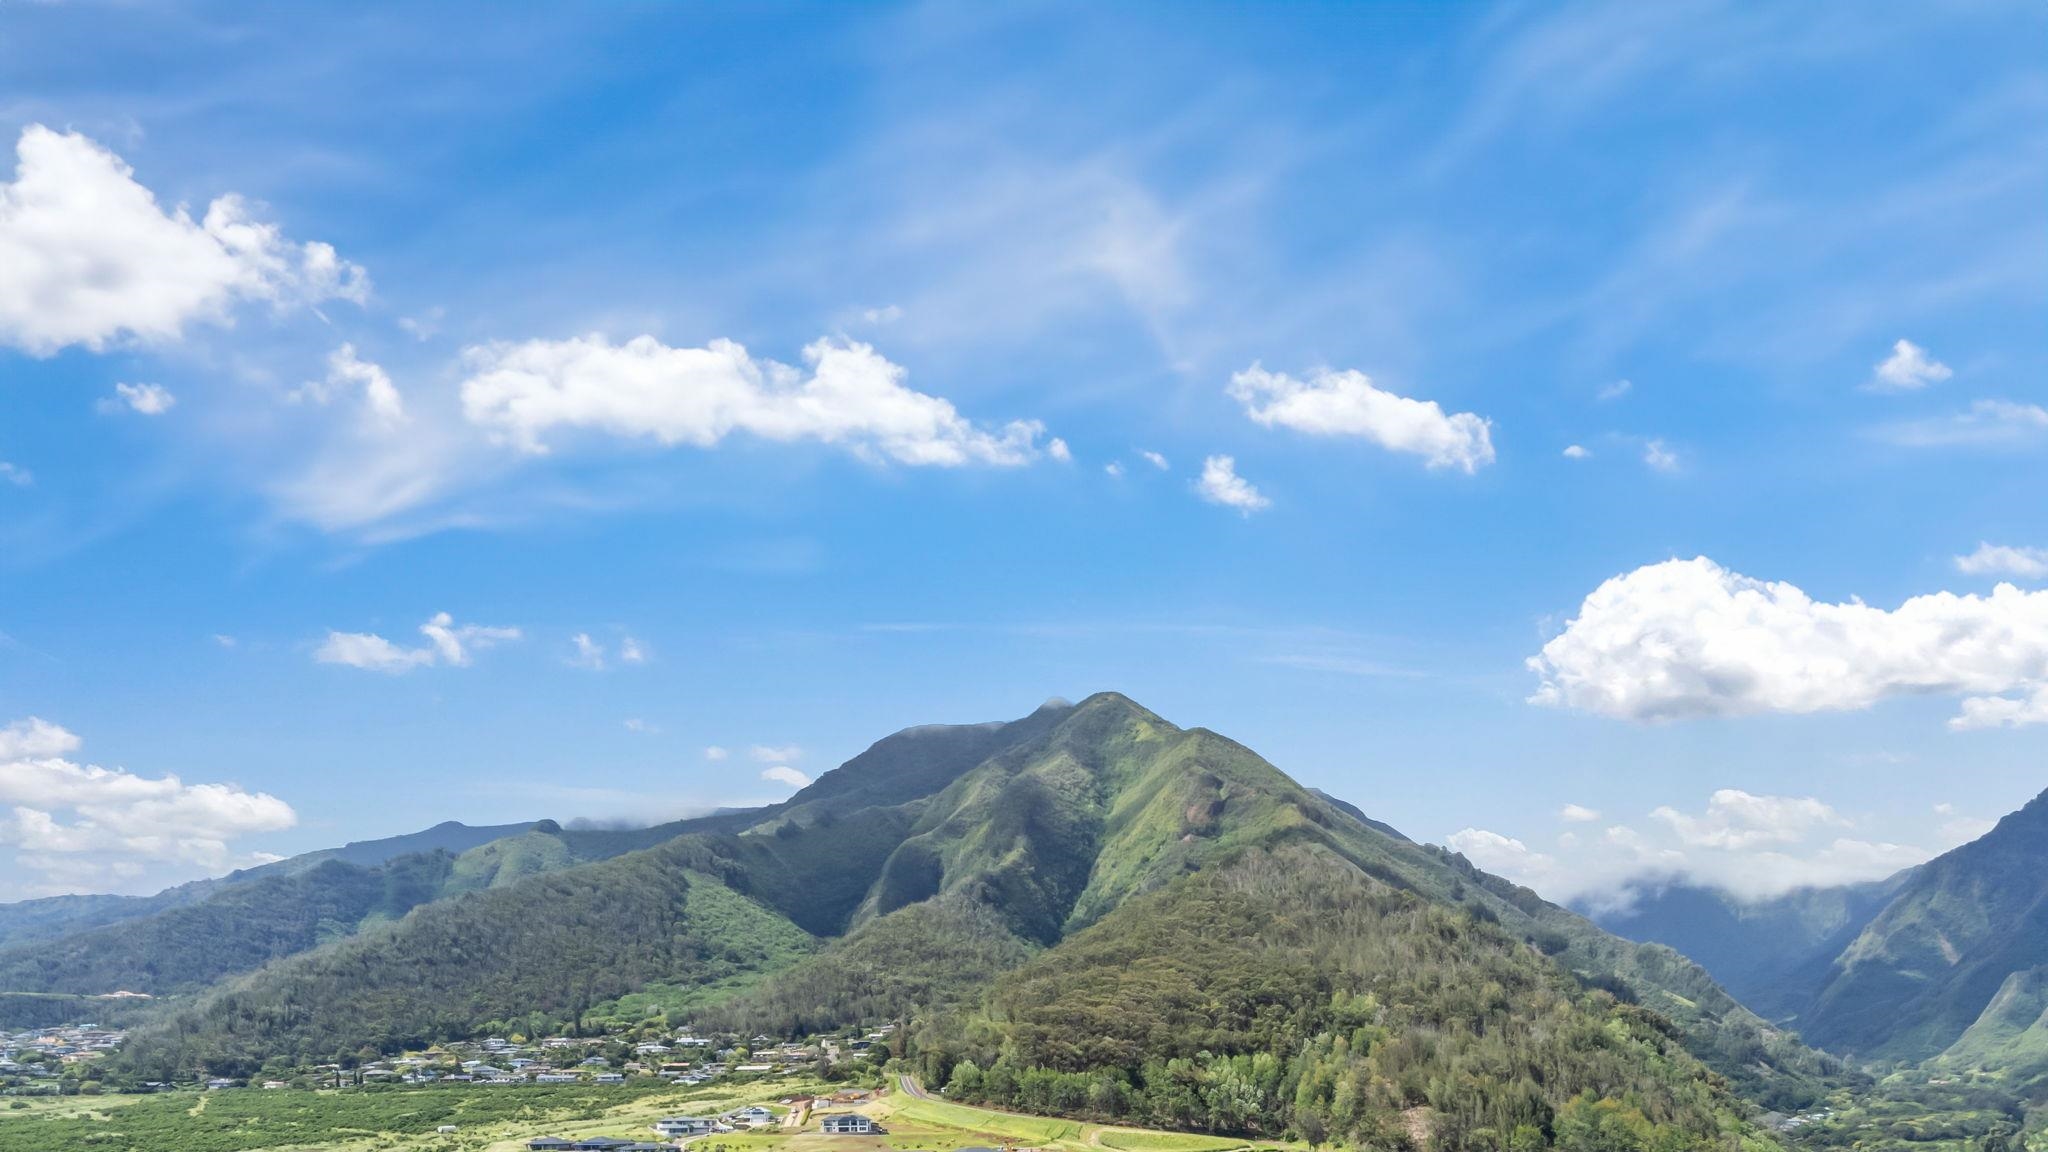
[1933, 960]
[1286, 993]
[906, 884]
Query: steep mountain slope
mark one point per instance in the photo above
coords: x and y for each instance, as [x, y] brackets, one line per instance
[1927, 966]
[1770, 954]
[243, 928]
[1114, 802]
[1285, 992]
[925, 868]
[191, 936]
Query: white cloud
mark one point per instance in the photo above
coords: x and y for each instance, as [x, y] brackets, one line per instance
[1058, 450]
[146, 399]
[2001, 560]
[447, 644]
[1908, 369]
[1220, 484]
[1616, 390]
[1347, 404]
[714, 753]
[1578, 814]
[1687, 638]
[784, 774]
[84, 826]
[1659, 455]
[424, 326]
[589, 653]
[225, 640]
[1114, 468]
[1753, 846]
[887, 314]
[34, 737]
[1503, 855]
[1156, 460]
[1986, 423]
[631, 651]
[851, 395]
[635, 724]
[766, 754]
[16, 475]
[1576, 452]
[87, 256]
[1957, 828]
[1738, 819]
[348, 373]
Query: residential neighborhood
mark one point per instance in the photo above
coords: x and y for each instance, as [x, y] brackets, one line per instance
[41, 1061]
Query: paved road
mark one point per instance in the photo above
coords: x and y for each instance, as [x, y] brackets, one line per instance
[911, 1087]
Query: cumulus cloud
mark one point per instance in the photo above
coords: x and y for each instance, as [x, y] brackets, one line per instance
[784, 774]
[767, 754]
[849, 395]
[2001, 560]
[714, 753]
[1220, 484]
[1332, 403]
[1688, 638]
[1114, 468]
[1578, 814]
[144, 399]
[1156, 460]
[1738, 819]
[349, 374]
[1908, 369]
[448, 644]
[1754, 846]
[631, 651]
[80, 826]
[1576, 452]
[87, 256]
[1658, 455]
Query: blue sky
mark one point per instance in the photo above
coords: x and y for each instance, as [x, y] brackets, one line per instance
[812, 355]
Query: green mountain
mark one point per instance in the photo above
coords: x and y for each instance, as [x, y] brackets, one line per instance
[31, 921]
[1944, 951]
[962, 877]
[1771, 954]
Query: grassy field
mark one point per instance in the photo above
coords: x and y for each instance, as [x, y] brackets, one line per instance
[504, 1119]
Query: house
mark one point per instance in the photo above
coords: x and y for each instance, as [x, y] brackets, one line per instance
[549, 1144]
[684, 1126]
[445, 1129]
[608, 1078]
[753, 1114]
[848, 1124]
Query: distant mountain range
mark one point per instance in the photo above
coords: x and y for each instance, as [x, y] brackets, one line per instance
[1066, 907]
[1947, 961]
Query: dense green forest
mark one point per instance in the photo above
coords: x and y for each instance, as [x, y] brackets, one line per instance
[194, 946]
[540, 953]
[1287, 994]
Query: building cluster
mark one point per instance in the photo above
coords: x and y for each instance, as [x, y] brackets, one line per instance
[33, 1061]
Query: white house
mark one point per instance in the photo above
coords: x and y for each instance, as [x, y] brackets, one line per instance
[848, 1124]
[673, 1126]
